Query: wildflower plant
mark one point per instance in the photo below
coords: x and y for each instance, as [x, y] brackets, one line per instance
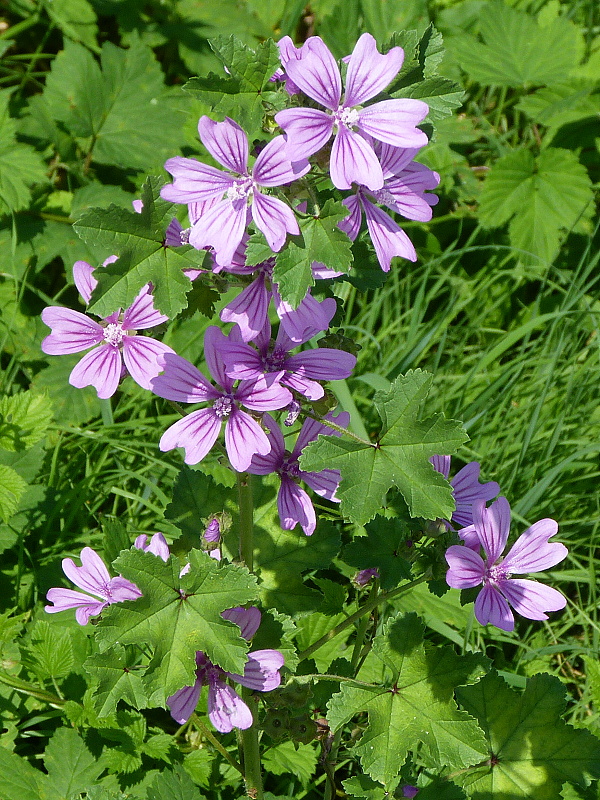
[280, 598]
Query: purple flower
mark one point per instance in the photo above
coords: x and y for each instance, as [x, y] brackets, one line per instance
[102, 367]
[404, 191]
[288, 52]
[298, 372]
[93, 577]
[353, 159]
[226, 709]
[465, 490]
[198, 431]
[409, 791]
[157, 546]
[223, 224]
[532, 552]
[293, 503]
[365, 575]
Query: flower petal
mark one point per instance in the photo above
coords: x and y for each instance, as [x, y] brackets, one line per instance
[140, 354]
[394, 122]
[491, 607]
[264, 394]
[243, 438]
[84, 279]
[226, 709]
[532, 552]
[369, 72]
[247, 619]
[261, 671]
[317, 74]
[226, 142]
[294, 507]
[141, 314]
[221, 227]
[441, 464]
[183, 703]
[467, 489]
[466, 567]
[196, 433]
[72, 331]
[388, 238]
[158, 545]
[274, 218]
[271, 462]
[322, 364]
[215, 346]
[353, 160]
[351, 224]
[531, 599]
[311, 428]
[307, 131]
[182, 382]
[64, 599]
[92, 576]
[304, 322]
[492, 525]
[324, 483]
[249, 309]
[273, 166]
[100, 368]
[194, 181]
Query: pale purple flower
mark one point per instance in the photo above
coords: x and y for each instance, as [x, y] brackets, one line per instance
[299, 372]
[118, 347]
[157, 545]
[353, 159]
[293, 503]
[288, 52]
[212, 535]
[198, 431]
[532, 552]
[364, 576]
[409, 791]
[465, 490]
[404, 191]
[93, 577]
[226, 709]
[236, 195]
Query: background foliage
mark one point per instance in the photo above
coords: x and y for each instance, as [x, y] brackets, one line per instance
[502, 307]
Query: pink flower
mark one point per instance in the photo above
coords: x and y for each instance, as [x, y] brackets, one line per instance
[93, 577]
[353, 159]
[226, 709]
[465, 490]
[119, 347]
[532, 552]
[157, 545]
[236, 196]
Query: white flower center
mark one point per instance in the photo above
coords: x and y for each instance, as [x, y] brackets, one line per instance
[113, 334]
[347, 116]
[385, 197]
[223, 406]
[496, 573]
[240, 190]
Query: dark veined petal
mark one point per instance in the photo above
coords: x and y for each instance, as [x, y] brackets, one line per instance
[353, 160]
[226, 142]
[140, 354]
[183, 703]
[273, 167]
[274, 218]
[532, 552]
[317, 74]
[72, 331]
[493, 526]
[194, 181]
[491, 606]
[226, 709]
[531, 599]
[222, 227]
[466, 567]
[141, 314]
[182, 381]
[84, 279]
[247, 619]
[92, 576]
[243, 438]
[395, 121]
[249, 309]
[100, 368]
[388, 238]
[294, 507]
[196, 433]
[261, 671]
[307, 131]
[369, 72]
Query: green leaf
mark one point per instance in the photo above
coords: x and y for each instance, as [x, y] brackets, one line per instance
[12, 489]
[562, 103]
[18, 779]
[175, 785]
[24, 420]
[534, 751]
[320, 240]
[122, 106]
[285, 758]
[517, 50]
[72, 406]
[50, 654]
[117, 678]
[76, 19]
[364, 787]
[70, 765]
[382, 548]
[178, 616]
[540, 196]
[383, 18]
[400, 457]
[20, 165]
[138, 241]
[252, 69]
[442, 96]
[414, 705]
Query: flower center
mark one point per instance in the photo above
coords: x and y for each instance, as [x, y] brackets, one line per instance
[113, 334]
[240, 190]
[496, 573]
[347, 116]
[275, 361]
[290, 468]
[385, 197]
[223, 406]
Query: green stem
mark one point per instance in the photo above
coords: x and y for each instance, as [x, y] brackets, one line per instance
[15, 30]
[26, 688]
[208, 734]
[246, 507]
[366, 609]
[251, 750]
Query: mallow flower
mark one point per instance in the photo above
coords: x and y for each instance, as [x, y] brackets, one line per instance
[93, 577]
[114, 339]
[157, 545]
[532, 552]
[465, 490]
[197, 432]
[353, 159]
[234, 197]
[293, 503]
[226, 709]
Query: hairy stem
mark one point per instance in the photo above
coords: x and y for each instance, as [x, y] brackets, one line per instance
[246, 507]
[209, 736]
[372, 603]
